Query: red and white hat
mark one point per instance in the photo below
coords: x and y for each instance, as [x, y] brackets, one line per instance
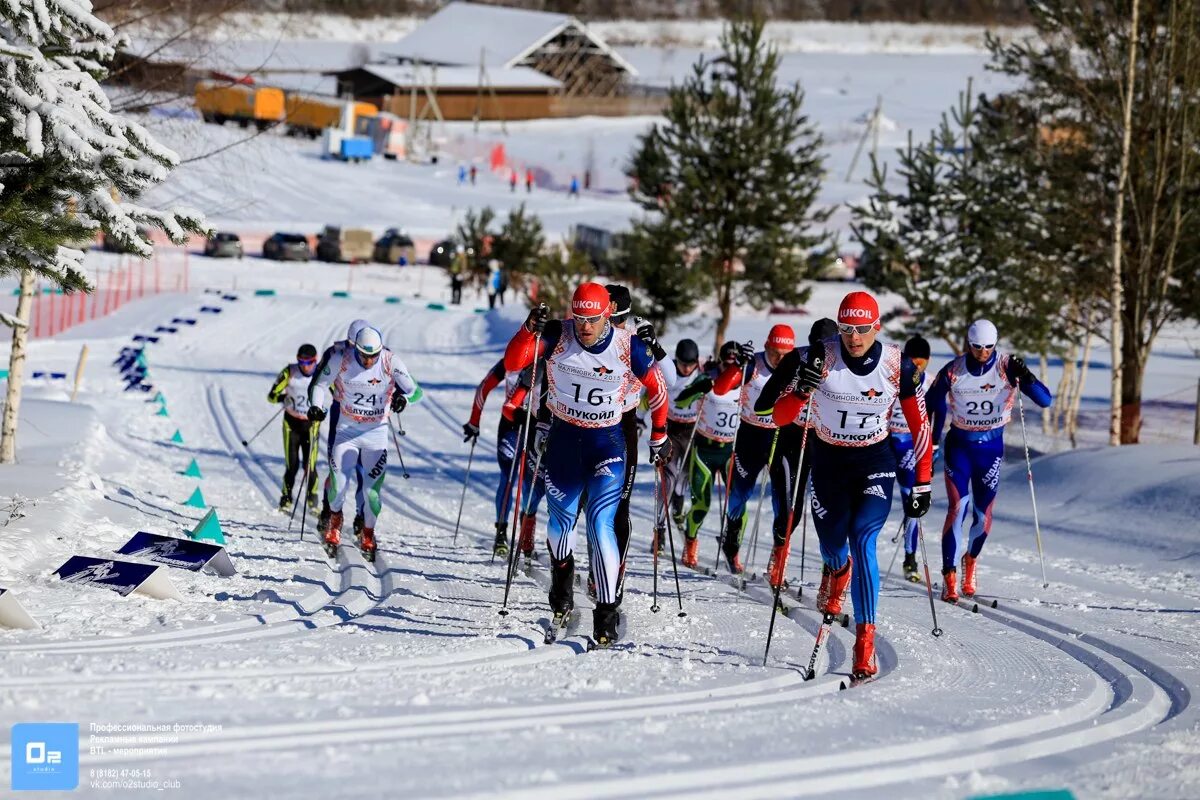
[858, 308]
[781, 337]
[590, 300]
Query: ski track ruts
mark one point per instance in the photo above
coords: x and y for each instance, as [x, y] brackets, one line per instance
[786, 689]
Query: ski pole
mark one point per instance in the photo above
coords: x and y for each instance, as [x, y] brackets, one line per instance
[896, 552]
[803, 536]
[928, 583]
[246, 442]
[787, 538]
[658, 532]
[518, 453]
[761, 494]
[1037, 528]
[687, 451]
[537, 347]
[396, 441]
[729, 469]
[463, 498]
[308, 466]
[674, 563]
[518, 511]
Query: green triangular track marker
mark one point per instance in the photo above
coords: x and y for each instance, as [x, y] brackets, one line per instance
[208, 529]
[177, 437]
[162, 411]
[196, 500]
[193, 470]
[158, 398]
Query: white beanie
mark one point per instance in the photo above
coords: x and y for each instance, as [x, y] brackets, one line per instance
[982, 332]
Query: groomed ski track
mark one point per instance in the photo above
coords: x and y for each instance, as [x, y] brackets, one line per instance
[349, 677]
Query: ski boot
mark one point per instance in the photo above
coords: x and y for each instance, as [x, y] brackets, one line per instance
[367, 544]
[528, 527]
[562, 601]
[285, 501]
[333, 535]
[732, 544]
[605, 619]
[968, 583]
[359, 522]
[833, 587]
[950, 585]
[591, 588]
[864, 652]
[659, 544]
[677, 512]
[776, 566]
[910, 568]
[323, 520]
[312, 502]
[500, 546]
[691, 553]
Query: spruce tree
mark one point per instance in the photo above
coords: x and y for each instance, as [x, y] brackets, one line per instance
[732, 177]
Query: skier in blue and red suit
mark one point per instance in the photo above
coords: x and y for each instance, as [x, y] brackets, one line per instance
[590, 367]
[976, 391]
[852, 387]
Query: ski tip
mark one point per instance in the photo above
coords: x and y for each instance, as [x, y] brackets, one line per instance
[841, 686]
[810, 675]
[974, 608]
[995, 604]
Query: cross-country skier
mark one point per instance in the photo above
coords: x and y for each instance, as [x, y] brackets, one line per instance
[712, 446]
[852, 390]
[917, 350]
[588, 364]
[366, 382]
[787, 449]
[334, 351]
[291, 389]
[753, 443]
[976, 391]
[681, 421]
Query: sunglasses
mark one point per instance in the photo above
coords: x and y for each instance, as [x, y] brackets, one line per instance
[977, 346]
[306, 362]
[596, 320]
[861, 330]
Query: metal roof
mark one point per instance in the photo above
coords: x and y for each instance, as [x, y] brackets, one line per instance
[461, 77]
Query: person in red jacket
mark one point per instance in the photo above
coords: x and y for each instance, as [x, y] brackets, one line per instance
[852, 383]
[590, 368]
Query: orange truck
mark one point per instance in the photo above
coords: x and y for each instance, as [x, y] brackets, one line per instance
[260, 105]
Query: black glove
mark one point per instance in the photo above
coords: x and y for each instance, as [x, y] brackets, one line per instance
[518, 416]
[470, 432]
[316, 414]
[917, 504]
[275, 398]
[810, 375]
[645, 332]
[535, 323]
[660, 446]
[745, 353]
[1019, 370]
[641, 426]
[540, 434]
[399, 402]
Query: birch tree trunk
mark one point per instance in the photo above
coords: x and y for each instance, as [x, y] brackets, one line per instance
[16, 372]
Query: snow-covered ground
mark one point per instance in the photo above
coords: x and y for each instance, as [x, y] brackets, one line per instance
[322, 679]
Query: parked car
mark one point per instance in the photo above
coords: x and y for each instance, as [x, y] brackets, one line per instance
[110, 243]
[287, 247]
[832, 266]
[223, 244]
[394, 247]
[344, 244]
[604, 248]
[442, 253]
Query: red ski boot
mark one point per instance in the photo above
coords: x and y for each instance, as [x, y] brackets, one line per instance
[864, 651]
[950, 586]
[367, 544]
[528, 527]
[833, 587]
[333, 534]
[968, 584]
[691, 553]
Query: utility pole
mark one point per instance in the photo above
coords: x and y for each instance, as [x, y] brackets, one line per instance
[871, 130]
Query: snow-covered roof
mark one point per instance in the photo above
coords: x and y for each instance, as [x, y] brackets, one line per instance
[461, 32]
[462, 77]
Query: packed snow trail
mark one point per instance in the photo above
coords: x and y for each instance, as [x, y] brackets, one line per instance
[348, 677]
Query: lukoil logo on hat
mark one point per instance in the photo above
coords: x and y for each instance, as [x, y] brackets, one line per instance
[781, 337]
[589, 300]
[858, 308]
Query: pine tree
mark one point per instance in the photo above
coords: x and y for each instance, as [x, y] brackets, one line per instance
[732, 176]
[63, 153]
[519, 243]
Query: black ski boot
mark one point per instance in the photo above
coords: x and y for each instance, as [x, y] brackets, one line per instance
[500, 547]
[605, 619]
[562, 600]
[910, 568]
[285, 501]
[732, 544]
[323, 520]
[359, 522]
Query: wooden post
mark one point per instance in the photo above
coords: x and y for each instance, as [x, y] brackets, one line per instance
[1196, 432]
[83, 353]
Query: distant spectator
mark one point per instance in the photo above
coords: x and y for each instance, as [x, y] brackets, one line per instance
[474, 172]
[587, 180]
[462, 174]
[574, 190]
[503, 283]
[458, 266]
[512, 180]
[495, 281]
[528, 181]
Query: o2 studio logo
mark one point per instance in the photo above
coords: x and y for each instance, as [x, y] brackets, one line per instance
[45, 755]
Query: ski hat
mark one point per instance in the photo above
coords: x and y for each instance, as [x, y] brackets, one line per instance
[822, 329]
[306, 351]
[982, 332]
[781, 337]
[917, 347]
[728, 350]
[858, 308]
[355, 327]
[687, 352]
[619, 296]
[369, 341]
[590, 300]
